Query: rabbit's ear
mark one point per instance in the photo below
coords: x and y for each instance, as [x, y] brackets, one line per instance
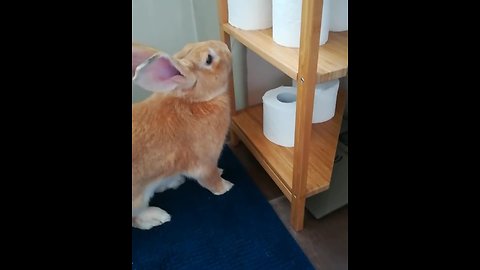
[158, 74]
[140, 53]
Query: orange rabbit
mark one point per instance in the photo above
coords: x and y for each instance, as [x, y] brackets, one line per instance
[179, 130]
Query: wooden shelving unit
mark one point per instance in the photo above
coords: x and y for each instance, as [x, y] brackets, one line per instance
[305, 169]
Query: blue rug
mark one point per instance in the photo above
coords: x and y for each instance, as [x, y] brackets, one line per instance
[237, 230]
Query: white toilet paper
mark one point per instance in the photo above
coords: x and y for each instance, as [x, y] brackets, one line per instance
[286, 22]
[325, 100]
[339, 16]
[250, 14]
[279, 107]
[279, 115]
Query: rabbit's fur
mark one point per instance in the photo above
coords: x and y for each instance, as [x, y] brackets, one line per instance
[179, 130]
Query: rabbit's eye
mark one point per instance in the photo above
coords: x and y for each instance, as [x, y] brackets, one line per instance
[209, 59]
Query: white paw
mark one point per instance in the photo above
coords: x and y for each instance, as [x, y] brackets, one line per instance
[227, 185]
[150, 217]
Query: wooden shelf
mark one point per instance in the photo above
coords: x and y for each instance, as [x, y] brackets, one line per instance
[278, 160]
[306, 169]
[332, 56]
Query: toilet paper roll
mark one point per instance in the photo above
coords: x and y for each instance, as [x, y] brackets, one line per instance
[325, 100]
[279, 108]
[250, 14]
[339, 16]
[279, 115]
[286, 22]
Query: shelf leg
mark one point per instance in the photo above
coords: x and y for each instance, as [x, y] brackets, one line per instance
[234, 140]
[297, 213]
[306, 78]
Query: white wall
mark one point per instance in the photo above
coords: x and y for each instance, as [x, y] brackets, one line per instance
[206, 19]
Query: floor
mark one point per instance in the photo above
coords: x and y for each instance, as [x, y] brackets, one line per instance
[324, 241]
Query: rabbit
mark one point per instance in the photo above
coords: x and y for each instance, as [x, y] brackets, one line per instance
[179, 131]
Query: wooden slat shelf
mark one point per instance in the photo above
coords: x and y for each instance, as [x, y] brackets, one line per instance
[278, 160]
[332, 57]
